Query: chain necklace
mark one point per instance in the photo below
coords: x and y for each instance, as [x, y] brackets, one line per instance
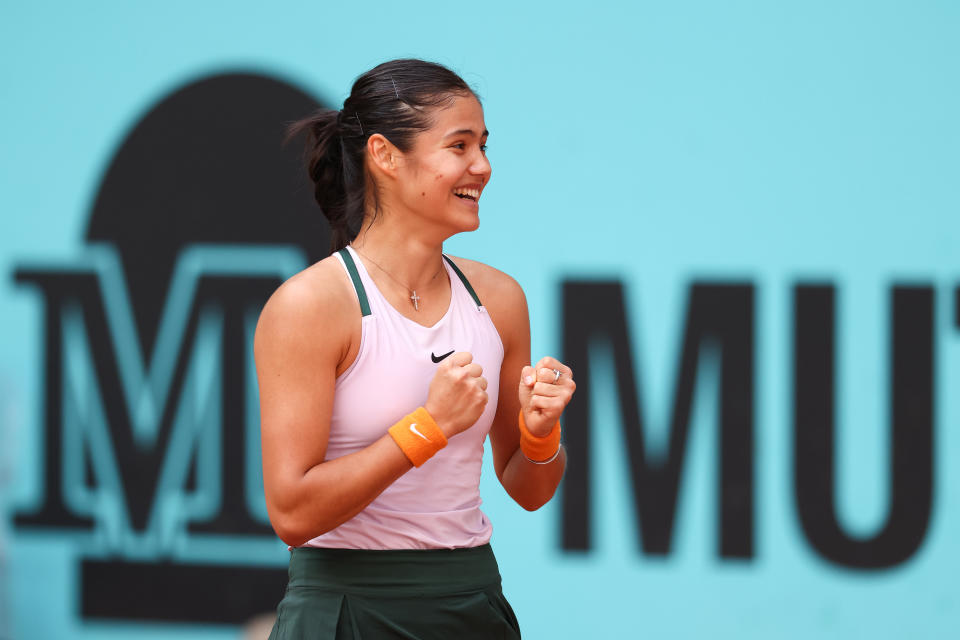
[414, 298]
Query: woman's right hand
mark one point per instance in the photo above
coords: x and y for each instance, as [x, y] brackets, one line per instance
[458, 394]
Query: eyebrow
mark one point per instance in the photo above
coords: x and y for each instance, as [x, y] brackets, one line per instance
[466, 132]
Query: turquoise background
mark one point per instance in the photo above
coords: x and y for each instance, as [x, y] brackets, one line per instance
[653, 142]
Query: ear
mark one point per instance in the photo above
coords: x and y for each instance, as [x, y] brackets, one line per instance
[383, 155]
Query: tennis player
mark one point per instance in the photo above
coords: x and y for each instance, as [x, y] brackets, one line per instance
[384, 368]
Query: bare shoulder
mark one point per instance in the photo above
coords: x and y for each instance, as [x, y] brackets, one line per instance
[318, 298]
[494, 287]
[502, 296]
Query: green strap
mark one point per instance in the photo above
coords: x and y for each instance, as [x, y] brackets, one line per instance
[466, 283]
[357, 283]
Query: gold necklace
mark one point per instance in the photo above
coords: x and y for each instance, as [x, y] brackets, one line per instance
[413, 297]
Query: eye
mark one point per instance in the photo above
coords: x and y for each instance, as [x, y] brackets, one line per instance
[459, 145]
[483, 148]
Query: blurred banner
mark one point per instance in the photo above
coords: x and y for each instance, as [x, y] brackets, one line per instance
[738, 225]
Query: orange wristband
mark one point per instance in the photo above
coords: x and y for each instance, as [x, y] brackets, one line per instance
[418, 436]
[539, 450]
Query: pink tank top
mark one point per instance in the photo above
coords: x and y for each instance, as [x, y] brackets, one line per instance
[436, 505]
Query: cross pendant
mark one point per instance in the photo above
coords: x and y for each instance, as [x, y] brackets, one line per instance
[416, 300]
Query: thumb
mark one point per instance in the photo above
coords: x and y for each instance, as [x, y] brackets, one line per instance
[528, 378]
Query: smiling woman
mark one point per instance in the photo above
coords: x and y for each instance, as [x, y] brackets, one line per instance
[380, 372]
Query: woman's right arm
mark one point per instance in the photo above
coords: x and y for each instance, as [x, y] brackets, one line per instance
[304, 333]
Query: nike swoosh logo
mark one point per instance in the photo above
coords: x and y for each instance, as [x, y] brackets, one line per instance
[438, 359]
[413, 427]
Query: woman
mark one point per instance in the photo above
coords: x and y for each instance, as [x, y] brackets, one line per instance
[380, 372]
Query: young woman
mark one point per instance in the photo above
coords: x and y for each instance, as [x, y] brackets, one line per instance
[384, 367]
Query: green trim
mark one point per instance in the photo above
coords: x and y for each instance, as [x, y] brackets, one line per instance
[466, 283]
[357, 283]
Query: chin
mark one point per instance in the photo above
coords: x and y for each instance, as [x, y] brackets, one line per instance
[472, 225]
[461, 223]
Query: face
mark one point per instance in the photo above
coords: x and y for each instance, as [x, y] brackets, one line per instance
[443, 175]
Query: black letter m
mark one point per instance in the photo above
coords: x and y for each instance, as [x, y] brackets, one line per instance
[720, 315]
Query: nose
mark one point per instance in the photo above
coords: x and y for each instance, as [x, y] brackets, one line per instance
[481, 167]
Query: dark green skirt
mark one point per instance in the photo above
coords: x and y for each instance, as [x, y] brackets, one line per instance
[415, 595]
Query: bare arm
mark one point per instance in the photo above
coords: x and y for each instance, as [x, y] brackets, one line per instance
[530, 485]
[302, 336]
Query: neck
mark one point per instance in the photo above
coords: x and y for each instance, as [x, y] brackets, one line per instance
[405, 254]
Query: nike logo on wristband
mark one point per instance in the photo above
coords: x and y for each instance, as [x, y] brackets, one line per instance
[439, 358]
[413, 427]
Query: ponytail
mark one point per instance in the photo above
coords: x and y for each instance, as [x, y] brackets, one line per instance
[338, 183]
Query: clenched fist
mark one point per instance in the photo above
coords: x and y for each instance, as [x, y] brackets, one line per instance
[543, 395]
[458, 393]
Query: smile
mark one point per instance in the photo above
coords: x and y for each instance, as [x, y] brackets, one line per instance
[467, 193]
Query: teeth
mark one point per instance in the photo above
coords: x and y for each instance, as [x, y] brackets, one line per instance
[473, 193]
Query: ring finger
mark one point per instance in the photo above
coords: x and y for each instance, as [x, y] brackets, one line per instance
[551, 376]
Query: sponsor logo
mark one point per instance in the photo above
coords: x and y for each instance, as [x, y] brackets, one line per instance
[439, 358]
[150, 445]
[413, 427]
[719, 341]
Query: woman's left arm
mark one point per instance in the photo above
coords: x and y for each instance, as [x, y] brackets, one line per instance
[526, 388]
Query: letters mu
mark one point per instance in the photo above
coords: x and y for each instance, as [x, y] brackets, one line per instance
[720, 316]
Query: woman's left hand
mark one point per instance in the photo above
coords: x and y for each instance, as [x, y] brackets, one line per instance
[543, 395]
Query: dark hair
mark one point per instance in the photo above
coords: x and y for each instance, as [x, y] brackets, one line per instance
[394, 99]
